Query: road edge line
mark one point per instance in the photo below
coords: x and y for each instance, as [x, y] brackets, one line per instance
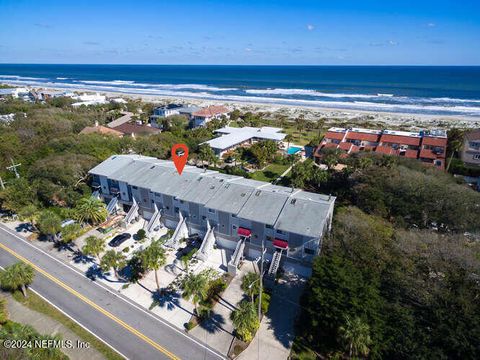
[115, 293]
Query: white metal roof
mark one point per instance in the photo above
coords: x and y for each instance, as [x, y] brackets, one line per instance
[253, 200]
[234, 136]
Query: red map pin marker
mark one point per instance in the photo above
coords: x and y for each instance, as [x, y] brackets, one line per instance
[179, 156]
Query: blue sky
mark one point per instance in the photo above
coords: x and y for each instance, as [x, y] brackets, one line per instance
[420, 32]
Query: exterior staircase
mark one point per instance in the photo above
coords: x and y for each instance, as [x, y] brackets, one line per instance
[181, 231]
[154, 220]
[132, 213]
[112, 206]
[237, 257]
[207, 244]
[275, 264]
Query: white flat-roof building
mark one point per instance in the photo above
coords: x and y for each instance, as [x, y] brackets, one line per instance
[14, 92]
[89, 99]
[232, 137]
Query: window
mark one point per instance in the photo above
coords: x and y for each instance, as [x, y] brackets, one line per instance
[281, 232]
[268, 238]
[476, 157]
[211, 211]
[233, 215]
[181, 201]
[269, 226]
[204, 217]
[134, 187]
[309, 251]
[177, 209]
[167, 207]
[234, 227]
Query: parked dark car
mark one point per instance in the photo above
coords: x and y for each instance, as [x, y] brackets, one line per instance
[119, 239]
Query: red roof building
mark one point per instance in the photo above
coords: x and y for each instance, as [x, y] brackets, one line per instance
[428, 146]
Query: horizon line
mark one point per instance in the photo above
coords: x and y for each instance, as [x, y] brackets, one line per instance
[265, 65]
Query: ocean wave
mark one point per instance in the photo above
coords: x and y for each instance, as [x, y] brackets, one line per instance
[98, 82]
[159, 86]
[310, 93]
[377, 103]
[21, 77]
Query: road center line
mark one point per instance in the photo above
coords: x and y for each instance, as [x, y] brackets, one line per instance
[92, 304]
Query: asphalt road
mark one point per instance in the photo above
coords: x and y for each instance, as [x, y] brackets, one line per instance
[132, 331]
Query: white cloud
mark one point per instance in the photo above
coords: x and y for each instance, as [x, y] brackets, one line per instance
[431, 24]
[393, 43]
[310, 27]
[248, 49]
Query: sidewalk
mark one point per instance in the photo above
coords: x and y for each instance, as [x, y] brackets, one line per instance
[275, 336]
[217, 331]
[46, 325]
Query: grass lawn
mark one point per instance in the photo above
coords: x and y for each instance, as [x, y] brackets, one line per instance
[303, 137]
[270, 173]
[36, 303]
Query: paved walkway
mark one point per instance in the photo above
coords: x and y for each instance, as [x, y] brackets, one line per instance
[46, 325]
[275, 336]
[218, 330]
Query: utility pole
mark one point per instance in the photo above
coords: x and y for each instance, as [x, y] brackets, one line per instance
[14, 168]
[260, 293]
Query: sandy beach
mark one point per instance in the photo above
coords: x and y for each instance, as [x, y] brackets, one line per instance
[331, 115]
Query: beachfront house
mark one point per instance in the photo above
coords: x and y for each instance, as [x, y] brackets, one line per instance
[427, 146]
[232, 137]
[89, 99]
[207, 114]
[229, 211]
[162, 112]
[15, 92]
[471, 148]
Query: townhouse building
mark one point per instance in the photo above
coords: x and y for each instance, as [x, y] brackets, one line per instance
[426, 146]
[236, 209]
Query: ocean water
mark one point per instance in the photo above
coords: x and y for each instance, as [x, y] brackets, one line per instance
[443, 90]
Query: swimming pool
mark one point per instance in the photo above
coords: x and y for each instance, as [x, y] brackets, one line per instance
[293, 150]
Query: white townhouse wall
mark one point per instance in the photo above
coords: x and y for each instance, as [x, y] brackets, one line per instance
[269, 213]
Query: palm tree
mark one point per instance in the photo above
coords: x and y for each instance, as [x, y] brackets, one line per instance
[93, 247]
[251, 284]
[356, 335]
[153, 258]
[245, 320]
[3, 310]
[113, 260]
[455, 145]
[17, 276]
[49, 224]
[300, 122]
[92, 210]
[288, 139]
[206, 154]
[195, 287]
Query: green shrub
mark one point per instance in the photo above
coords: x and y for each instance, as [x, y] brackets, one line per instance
[189, 325]
[265, 302]
[141, 235]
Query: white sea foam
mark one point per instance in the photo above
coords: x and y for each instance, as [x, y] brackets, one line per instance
[154, 86]
[20, 77]
[307, 92]
[402, 104]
